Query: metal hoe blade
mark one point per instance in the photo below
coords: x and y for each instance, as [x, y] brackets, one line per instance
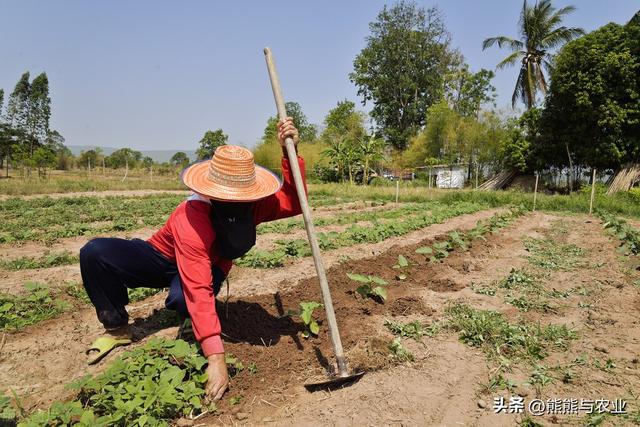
[335, 382]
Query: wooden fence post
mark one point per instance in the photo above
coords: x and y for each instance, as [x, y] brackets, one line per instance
[593, 191]
[535, 192]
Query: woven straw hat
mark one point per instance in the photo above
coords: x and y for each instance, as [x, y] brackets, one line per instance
[231, 175]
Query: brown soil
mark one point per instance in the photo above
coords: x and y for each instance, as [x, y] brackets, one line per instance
[443, 386]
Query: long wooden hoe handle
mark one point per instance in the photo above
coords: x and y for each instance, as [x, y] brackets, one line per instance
[308, 222]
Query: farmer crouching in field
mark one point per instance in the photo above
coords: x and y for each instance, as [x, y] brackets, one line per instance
[191, 254]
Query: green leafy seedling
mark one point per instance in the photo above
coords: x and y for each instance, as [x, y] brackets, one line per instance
[458, 239]
[425, 250]
[372, 287]
[402, 265]
[306, 314]
[234, 365]
[400, 353]
[439, 251]
[235, 400]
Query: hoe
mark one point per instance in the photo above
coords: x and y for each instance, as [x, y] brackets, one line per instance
[343, 376]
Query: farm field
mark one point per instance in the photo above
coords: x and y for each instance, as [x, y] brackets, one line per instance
[447, 301]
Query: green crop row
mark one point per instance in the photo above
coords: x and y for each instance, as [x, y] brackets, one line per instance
[340, 218]
[40, 303]
[46, 261]
[295, 248]
[37, 305]
[48, 219]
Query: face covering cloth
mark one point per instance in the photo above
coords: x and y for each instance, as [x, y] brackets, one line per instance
[234, 226]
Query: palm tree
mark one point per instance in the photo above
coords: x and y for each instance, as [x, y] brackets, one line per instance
[541, 30]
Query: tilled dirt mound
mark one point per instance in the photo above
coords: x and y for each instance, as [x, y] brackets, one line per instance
[258, 329]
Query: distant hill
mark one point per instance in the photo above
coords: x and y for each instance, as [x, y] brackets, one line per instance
[157, 155]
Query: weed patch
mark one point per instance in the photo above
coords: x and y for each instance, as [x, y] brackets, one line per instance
[399, 352]
[549, 254]
[490, 331]
[414, 330]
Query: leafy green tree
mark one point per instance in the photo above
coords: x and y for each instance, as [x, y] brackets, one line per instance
[518, 145]
[268, 152]
[452, 138]
[43, 158]
[467, 91]
[209, 142]
[180, 159]
[9, 138]
[436, 139]
[541, 31]
[18, 105]
[344, 135]
[1, 102]
[124, 157]
[371, 152]
[401, 68]
[307, 131]
[28, 113]
[64, 157]
[592, 114]
[39, 109]
[147, 162]
[90, 159]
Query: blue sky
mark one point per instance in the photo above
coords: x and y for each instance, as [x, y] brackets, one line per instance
[155, 75]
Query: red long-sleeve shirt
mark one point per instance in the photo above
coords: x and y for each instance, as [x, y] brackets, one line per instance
[188, 239]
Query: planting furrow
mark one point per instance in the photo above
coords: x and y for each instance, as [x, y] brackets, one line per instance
[297, 248]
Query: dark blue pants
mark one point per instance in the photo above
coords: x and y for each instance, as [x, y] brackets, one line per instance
[110, 265]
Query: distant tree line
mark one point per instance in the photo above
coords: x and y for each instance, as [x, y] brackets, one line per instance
[27, 142]
[25, 135]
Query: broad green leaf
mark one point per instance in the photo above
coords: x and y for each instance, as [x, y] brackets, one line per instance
[359, 278]
[195, 402]
[378, 280]
[401, 276]
[314, 327]
[364, 290]
[441, 245]
[6, 307]
[381, 292]
[402, 261]
[305, 315]
[425, 250]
